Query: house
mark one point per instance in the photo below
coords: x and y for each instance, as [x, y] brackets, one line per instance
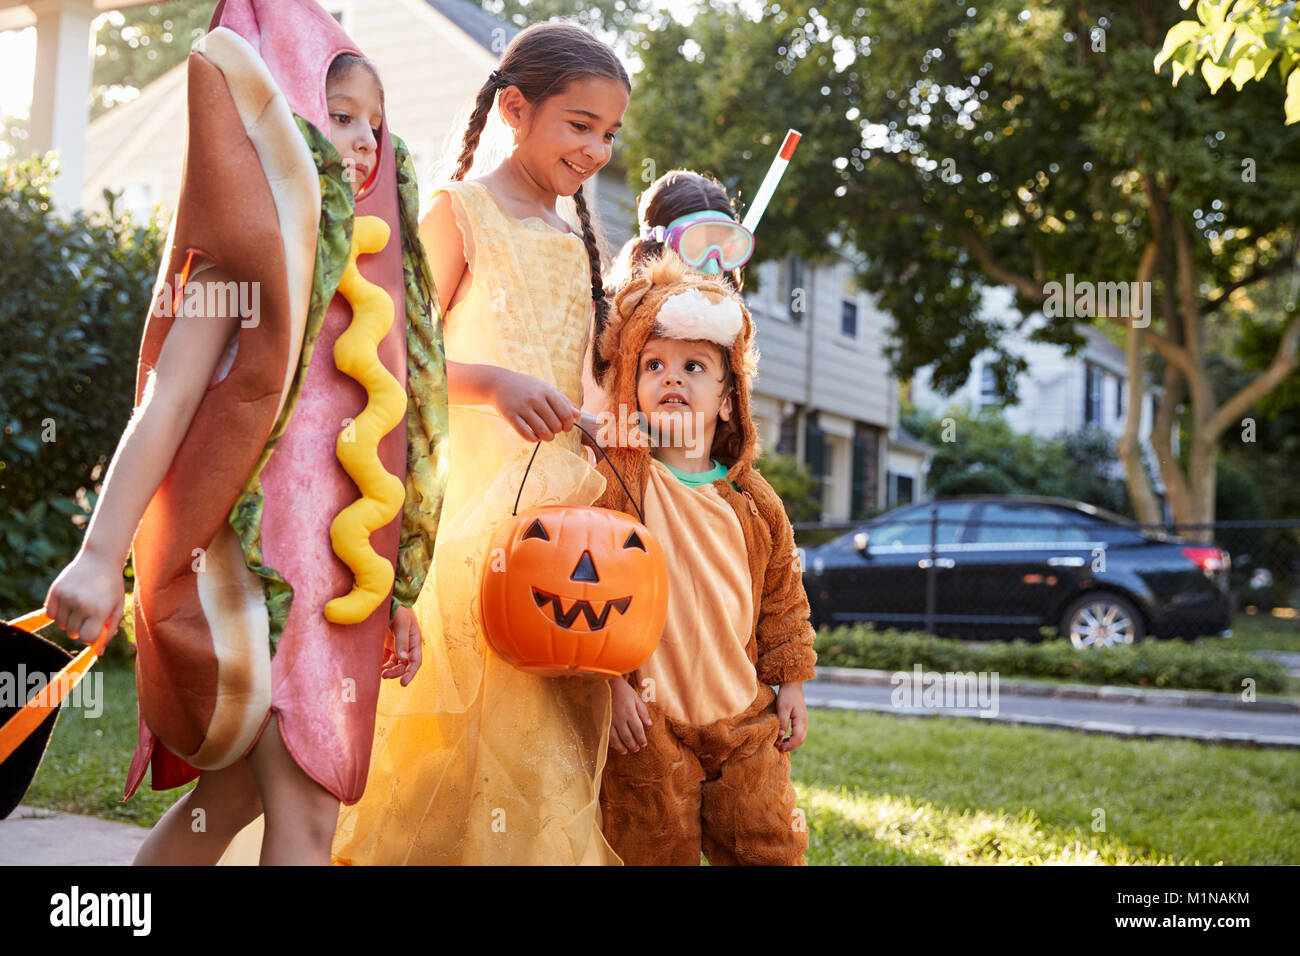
[824, 391]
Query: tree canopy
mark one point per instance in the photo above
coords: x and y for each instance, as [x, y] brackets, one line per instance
[136, 46]
[958, 146]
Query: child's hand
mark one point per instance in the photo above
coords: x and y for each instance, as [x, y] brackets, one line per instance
[88, 598]
[792, 717]
[402, 647]
[537, 411]
[629, 719]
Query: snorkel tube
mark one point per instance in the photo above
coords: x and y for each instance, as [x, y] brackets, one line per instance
[774, 174]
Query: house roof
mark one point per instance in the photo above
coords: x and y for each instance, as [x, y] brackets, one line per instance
[905, 441]
[480, 25]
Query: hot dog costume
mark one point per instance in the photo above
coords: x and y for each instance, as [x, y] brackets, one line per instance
[711, 778]
[234, 561]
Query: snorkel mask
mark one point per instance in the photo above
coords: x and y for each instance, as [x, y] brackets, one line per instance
[708, 241]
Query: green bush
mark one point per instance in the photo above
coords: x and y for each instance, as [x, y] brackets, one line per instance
[790, 479]
[74, 293]
[1151, 663]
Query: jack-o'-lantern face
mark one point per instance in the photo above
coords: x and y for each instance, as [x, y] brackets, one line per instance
[575, 590]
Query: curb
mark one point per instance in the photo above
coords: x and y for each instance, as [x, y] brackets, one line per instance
[1119, 695]
[1128, 731]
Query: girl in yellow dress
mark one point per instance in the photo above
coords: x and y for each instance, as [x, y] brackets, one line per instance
[475, 762]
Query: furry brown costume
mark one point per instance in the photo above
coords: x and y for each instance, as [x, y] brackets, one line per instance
[722, 788]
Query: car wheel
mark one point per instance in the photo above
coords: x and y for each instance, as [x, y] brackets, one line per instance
[1103, 619]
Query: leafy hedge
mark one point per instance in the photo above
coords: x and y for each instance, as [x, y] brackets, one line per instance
[74, 293]
[790, 479]
[1151, 663]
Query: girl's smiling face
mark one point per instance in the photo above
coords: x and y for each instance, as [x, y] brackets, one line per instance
[566, 138]
[356, 106]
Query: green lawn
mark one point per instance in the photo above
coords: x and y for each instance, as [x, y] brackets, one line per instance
[84, 770]
[882, 789]
[1252, 632]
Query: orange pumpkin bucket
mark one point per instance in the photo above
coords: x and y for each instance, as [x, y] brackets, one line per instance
[575, 590]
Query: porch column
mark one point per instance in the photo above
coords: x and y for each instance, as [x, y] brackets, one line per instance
[61, 91]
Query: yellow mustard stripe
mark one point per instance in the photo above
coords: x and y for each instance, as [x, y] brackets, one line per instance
[356, 353]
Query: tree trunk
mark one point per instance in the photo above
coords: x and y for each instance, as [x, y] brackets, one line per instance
[1162, 426]
[1201, 467]
[1129, 446]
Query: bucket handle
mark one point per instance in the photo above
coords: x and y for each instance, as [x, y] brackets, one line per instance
[537, 448]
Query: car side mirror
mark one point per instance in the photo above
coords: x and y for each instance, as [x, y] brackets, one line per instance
[860, 542]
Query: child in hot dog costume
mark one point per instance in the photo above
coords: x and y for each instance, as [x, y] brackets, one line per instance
[299, 509]
[699, 761]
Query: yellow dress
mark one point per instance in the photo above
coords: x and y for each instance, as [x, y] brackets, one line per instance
[475, 762]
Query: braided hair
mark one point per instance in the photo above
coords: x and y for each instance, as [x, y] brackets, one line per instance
[541, 62]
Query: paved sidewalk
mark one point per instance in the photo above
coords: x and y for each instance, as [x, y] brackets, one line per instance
[33, 837]
[1116, 711]
[1120, 695]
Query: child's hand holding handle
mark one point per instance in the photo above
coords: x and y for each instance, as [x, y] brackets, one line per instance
[537, 411]
[87, 600]
[628, 720]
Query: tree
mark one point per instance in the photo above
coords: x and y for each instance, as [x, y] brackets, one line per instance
[958, 146]
[790, 479]
[599, 16]
[992, 459]
[15, 135]
[138, 45]
[1239, 40]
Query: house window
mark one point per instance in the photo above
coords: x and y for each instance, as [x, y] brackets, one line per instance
[849, 307]
[849, 319]
[1121, 388]
[900, 489]
[1092, 395]
[787, 441]
[988, 386]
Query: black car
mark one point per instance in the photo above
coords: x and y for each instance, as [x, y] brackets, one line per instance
[1005, 566]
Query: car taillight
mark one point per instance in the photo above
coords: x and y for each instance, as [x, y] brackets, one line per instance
[1209, 560]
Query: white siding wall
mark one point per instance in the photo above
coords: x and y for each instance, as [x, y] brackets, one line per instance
[782, 343]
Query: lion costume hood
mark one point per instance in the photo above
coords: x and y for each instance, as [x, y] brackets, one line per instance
[667, 299]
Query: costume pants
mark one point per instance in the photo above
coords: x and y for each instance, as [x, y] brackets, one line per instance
[723, 789]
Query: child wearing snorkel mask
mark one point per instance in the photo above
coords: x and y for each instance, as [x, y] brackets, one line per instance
[692, 215]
